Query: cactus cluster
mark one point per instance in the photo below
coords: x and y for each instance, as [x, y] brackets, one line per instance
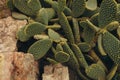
[76, 33]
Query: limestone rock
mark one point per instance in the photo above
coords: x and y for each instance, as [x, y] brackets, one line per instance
[55, 72]
[18, 66]
[8, 29]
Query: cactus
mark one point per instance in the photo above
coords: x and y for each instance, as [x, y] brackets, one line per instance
[21, 35]
[41, 36]
[59, 47]
[89, 13]
[76, 12]
[28, 7]
[100, 46]
[52, 61]
[118, 32]
[67, 11]
[66, 27]
[76, 30]
[112, 72]
[111, 46]
[73, 62]
[19, 16]
[85, 47]
[54, 35]
[91, 4]
[94, 19]
[42, 16]
[79, 55]
[107, 14]
[61, 5]
[112, 26]
[34, 28]
[88, 33]
[95, 71]
[62, 57]
[40, 48]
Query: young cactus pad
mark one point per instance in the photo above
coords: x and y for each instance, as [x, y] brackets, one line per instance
[40, 48]
[21, 35]
[62, 57]
[42, 16]
[19, 16]
[54, 35]
[111, 46]
[95, 71]
[34, 29]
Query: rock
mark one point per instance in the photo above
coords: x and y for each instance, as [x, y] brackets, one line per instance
[8, 29]
[55, 72]
[4, 10]
[18, 66]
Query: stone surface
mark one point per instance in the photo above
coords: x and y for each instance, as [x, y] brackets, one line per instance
[4, 10]
[55, 72]
[18, 66]
[8, 29]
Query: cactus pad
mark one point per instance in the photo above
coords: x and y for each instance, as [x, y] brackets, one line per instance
[111, 46]
[34, 28]
[62, 57]
[108, 10]
[40, 48]
[95, 71]
[78, 7]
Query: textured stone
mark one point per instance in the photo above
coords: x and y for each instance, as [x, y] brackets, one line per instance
[18, 66]
[8, 29]
[55, 72]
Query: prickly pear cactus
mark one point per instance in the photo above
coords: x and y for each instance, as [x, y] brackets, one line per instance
[111, 46]
[40, 48]
[28, 7]
[80, 34]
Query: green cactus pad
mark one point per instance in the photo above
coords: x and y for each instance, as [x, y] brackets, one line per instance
[118, 32]
[100, 46]
[78, 7]
[19, 16]
[59, 47]
[52, 61]
[73, 62]
[21, 35]
[94, 19]
[111, 45]
[40, 48]
[34, 29]
[66, 27]
[79, 55]
[112, 72]
[62, 57]
[90, 13]
[88, 33]
[42, 16]
[76, 31]
[67, 11]
[91, 4]
[41, 36]
[85, 47]
[61, 5]
[108, 10]
[28, 7]
[95, 71]
[54, 35]
[112, 26]
[50, 12]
